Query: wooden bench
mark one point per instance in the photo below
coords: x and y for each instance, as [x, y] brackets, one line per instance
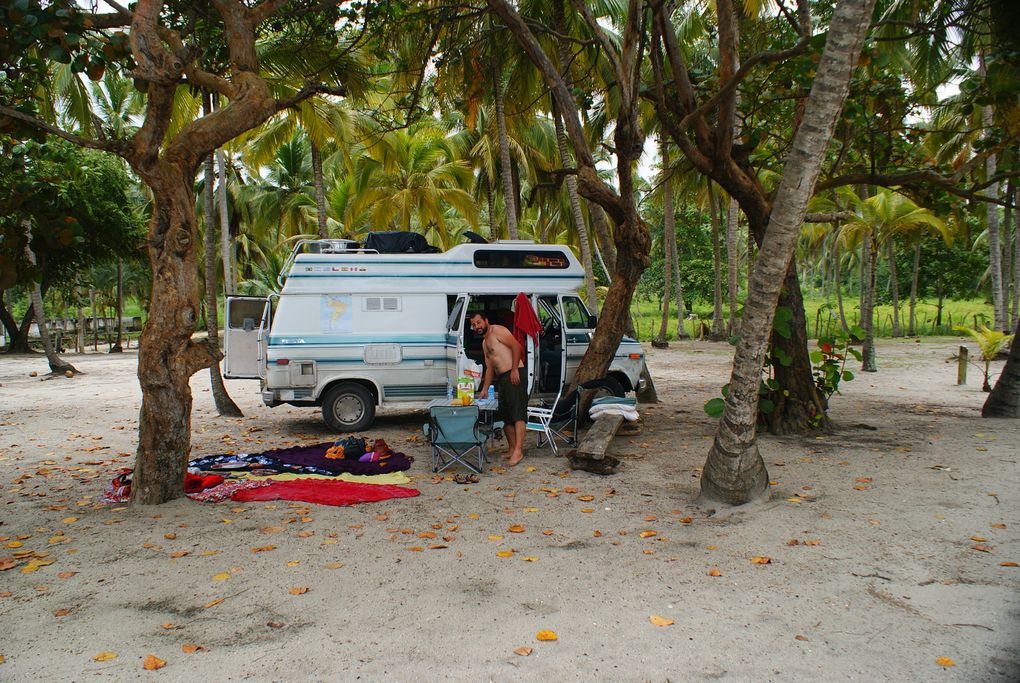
[590, 454]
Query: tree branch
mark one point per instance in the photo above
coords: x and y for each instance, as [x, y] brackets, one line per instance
[117, 146]
[309, 89]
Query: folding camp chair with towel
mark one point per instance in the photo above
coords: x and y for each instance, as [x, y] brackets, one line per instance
[559, 420]
[456, 437]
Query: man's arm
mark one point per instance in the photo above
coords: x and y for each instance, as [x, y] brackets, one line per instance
[486, 379]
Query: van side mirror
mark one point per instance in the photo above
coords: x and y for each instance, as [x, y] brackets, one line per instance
[592, 321]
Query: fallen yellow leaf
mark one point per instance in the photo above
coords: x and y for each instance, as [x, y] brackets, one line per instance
[34, 564]
[222, 576]
[334, 565]
[660, 621]
[495, 537]
[978, 539]
[104, 656]
[69, 520]
[505, 553]
[298, 590]
[530, 558]
[152, 662]
[648, 534]
[546, 635]
[167, 626]
[293, 563]
[170, 536]
[66, 575]
[516, 529]
[1007, 564]
[586, 498]
[945, 661]
[587, 510]
[714, 571]
[213, 603]
[263, 548]
[523, 651]
[192, 647]
[178, 554]
[761, 559]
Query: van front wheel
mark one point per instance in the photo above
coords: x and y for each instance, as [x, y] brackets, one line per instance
[348, 408]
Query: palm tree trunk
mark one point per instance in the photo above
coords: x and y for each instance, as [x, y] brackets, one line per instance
[732, 261]
[718, 331]
[837, 266]
[79, 344]
[575, 209]
[912, 323]
[95, 319]
[668, 232]
[504, 153]
[226, 248]
[678, 287]
[491, 202]
[894, 289]
[117, 348]
[994, 243]
[57, 364]
[868, 306]
[1016, 256]
[320, 190]
[734, 471]
[225, 405]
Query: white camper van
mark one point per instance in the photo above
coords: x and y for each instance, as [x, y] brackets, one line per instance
[356, 328]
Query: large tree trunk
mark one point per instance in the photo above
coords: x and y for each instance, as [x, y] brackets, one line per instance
[506, 171]
[225, 405]
[718, 331]
[869, 263]
[732, 261]
[894, 289]
[915, 273]
[1004, 401]
[167, 355]
[57, 364]
[320, 189]
[734, 471]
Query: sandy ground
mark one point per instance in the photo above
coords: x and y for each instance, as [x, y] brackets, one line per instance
[886, 541]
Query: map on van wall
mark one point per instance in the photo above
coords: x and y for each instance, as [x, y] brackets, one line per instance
[335, 313]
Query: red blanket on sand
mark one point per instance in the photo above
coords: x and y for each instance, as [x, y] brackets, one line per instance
[324, 492]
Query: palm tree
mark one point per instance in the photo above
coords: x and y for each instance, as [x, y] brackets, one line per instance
[878, 221]
[408, 179]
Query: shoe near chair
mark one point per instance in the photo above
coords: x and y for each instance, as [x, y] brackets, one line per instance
[456, 437]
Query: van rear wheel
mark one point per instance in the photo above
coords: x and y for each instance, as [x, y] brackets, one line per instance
[605, 386]
[348, 407]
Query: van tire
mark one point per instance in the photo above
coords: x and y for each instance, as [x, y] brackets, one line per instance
[348, 407]
[605, 386]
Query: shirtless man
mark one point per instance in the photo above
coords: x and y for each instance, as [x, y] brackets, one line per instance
[502, 367]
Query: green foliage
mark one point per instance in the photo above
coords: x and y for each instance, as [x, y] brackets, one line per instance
[990, 342]
[829, 361]
[77, 204]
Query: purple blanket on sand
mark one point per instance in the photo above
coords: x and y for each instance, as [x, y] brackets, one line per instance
[314, 458]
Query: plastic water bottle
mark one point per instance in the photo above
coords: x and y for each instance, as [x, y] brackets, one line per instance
[449, 391]
[492, 392]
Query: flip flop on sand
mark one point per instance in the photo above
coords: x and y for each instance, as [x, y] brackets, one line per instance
[466, 478]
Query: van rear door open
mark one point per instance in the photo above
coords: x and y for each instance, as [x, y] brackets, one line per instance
[244, 336]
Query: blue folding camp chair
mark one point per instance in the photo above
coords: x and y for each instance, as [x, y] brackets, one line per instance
[456, 437]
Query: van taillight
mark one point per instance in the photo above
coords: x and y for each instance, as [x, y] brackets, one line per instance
[634, 356]
[283, 361]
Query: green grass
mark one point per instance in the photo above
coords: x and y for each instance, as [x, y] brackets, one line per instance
[822, 316]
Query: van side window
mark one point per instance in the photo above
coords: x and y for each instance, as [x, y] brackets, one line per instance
[575, 313]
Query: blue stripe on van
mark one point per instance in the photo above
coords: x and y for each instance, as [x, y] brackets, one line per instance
[540, 275]
[354, 339]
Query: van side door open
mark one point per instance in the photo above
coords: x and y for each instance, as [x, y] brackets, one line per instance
[244, 336]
